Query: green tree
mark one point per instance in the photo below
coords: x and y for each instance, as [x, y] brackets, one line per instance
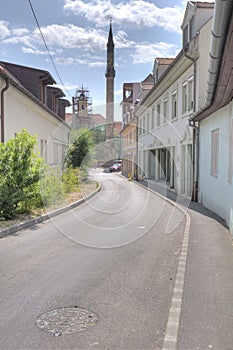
[80, 151]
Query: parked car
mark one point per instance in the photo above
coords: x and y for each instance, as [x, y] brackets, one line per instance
[115, 167]
[118, 161]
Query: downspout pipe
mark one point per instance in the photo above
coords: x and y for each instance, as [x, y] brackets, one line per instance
[195, 127]
[221, 17]
[7, 80]
[195, 159]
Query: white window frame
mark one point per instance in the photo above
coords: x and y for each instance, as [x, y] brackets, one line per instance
[148, 122]
[165, 110]
[158, 115]
[152, 118]
[174, 105]
[185, 97]
[143, 125]
[190, 93]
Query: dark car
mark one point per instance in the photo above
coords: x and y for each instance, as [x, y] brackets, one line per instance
[115, 167]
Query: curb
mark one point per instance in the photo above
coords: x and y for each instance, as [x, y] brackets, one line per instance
[31, 222]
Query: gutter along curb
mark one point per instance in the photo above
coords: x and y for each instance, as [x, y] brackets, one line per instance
[31, 222]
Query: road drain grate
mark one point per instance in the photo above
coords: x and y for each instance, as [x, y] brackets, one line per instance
[65, 321]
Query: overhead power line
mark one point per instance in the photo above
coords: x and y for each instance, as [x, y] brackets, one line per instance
[46, 46]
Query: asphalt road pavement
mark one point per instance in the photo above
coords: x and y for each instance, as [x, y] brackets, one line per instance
[116, 256]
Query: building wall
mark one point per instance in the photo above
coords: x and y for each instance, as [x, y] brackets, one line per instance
[129, 147]
[202, 64]
[22, 112]
[166, 147]
[216, 192]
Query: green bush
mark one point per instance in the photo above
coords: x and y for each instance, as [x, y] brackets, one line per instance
[51, 186]
[26, 182]
[70, 178]
[19, 175]
[80, 151]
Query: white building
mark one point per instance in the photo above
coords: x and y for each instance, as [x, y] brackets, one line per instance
[165, 137]
[27, 102]
[215, 119]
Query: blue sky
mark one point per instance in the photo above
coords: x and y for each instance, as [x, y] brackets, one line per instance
[76, 34]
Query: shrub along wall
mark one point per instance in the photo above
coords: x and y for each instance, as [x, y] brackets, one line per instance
[26, 182]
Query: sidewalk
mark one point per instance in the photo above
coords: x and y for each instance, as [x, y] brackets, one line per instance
[206, 320]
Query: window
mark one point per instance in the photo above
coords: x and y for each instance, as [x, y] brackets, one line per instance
[152, 118]
[174, 104]
[134, 136]
[41, 148]
[43, 92]
[184, 98]
[190, 93]
[214, 152]
[45, 151]
[148, 122]
[165, 110]
[185, 36]
[130, 138]
[55, 153]
[158, 115]
[191, 29]
[54, 104]
[143, 125]
[140, 128]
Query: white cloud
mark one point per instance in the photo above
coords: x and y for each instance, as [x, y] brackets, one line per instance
[20, 31]
[67, 61]
[62, 36]
[146, 53]
[26, 40]
[70, 37]
[85, 46]
[4, 31]
[98, 64]
[35, 51]
[139, 13]
[121, 40]
[81, 61]
[68, 86]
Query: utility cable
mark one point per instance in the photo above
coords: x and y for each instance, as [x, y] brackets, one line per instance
[46, 46]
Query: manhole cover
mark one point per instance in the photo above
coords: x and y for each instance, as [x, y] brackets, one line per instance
[66, 321]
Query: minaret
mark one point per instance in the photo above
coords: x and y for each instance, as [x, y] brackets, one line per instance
[110, 75]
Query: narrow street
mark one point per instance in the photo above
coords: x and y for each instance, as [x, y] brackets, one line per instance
[115, 256]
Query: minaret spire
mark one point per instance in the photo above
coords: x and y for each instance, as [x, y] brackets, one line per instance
[110, 75]
[110, 72]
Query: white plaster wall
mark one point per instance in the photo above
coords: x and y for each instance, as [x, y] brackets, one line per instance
[216, 193]
[21, 112]
[203, 16]
[202, 63]
[174, 132]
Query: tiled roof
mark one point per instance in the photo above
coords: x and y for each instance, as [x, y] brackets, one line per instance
[98, 119]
